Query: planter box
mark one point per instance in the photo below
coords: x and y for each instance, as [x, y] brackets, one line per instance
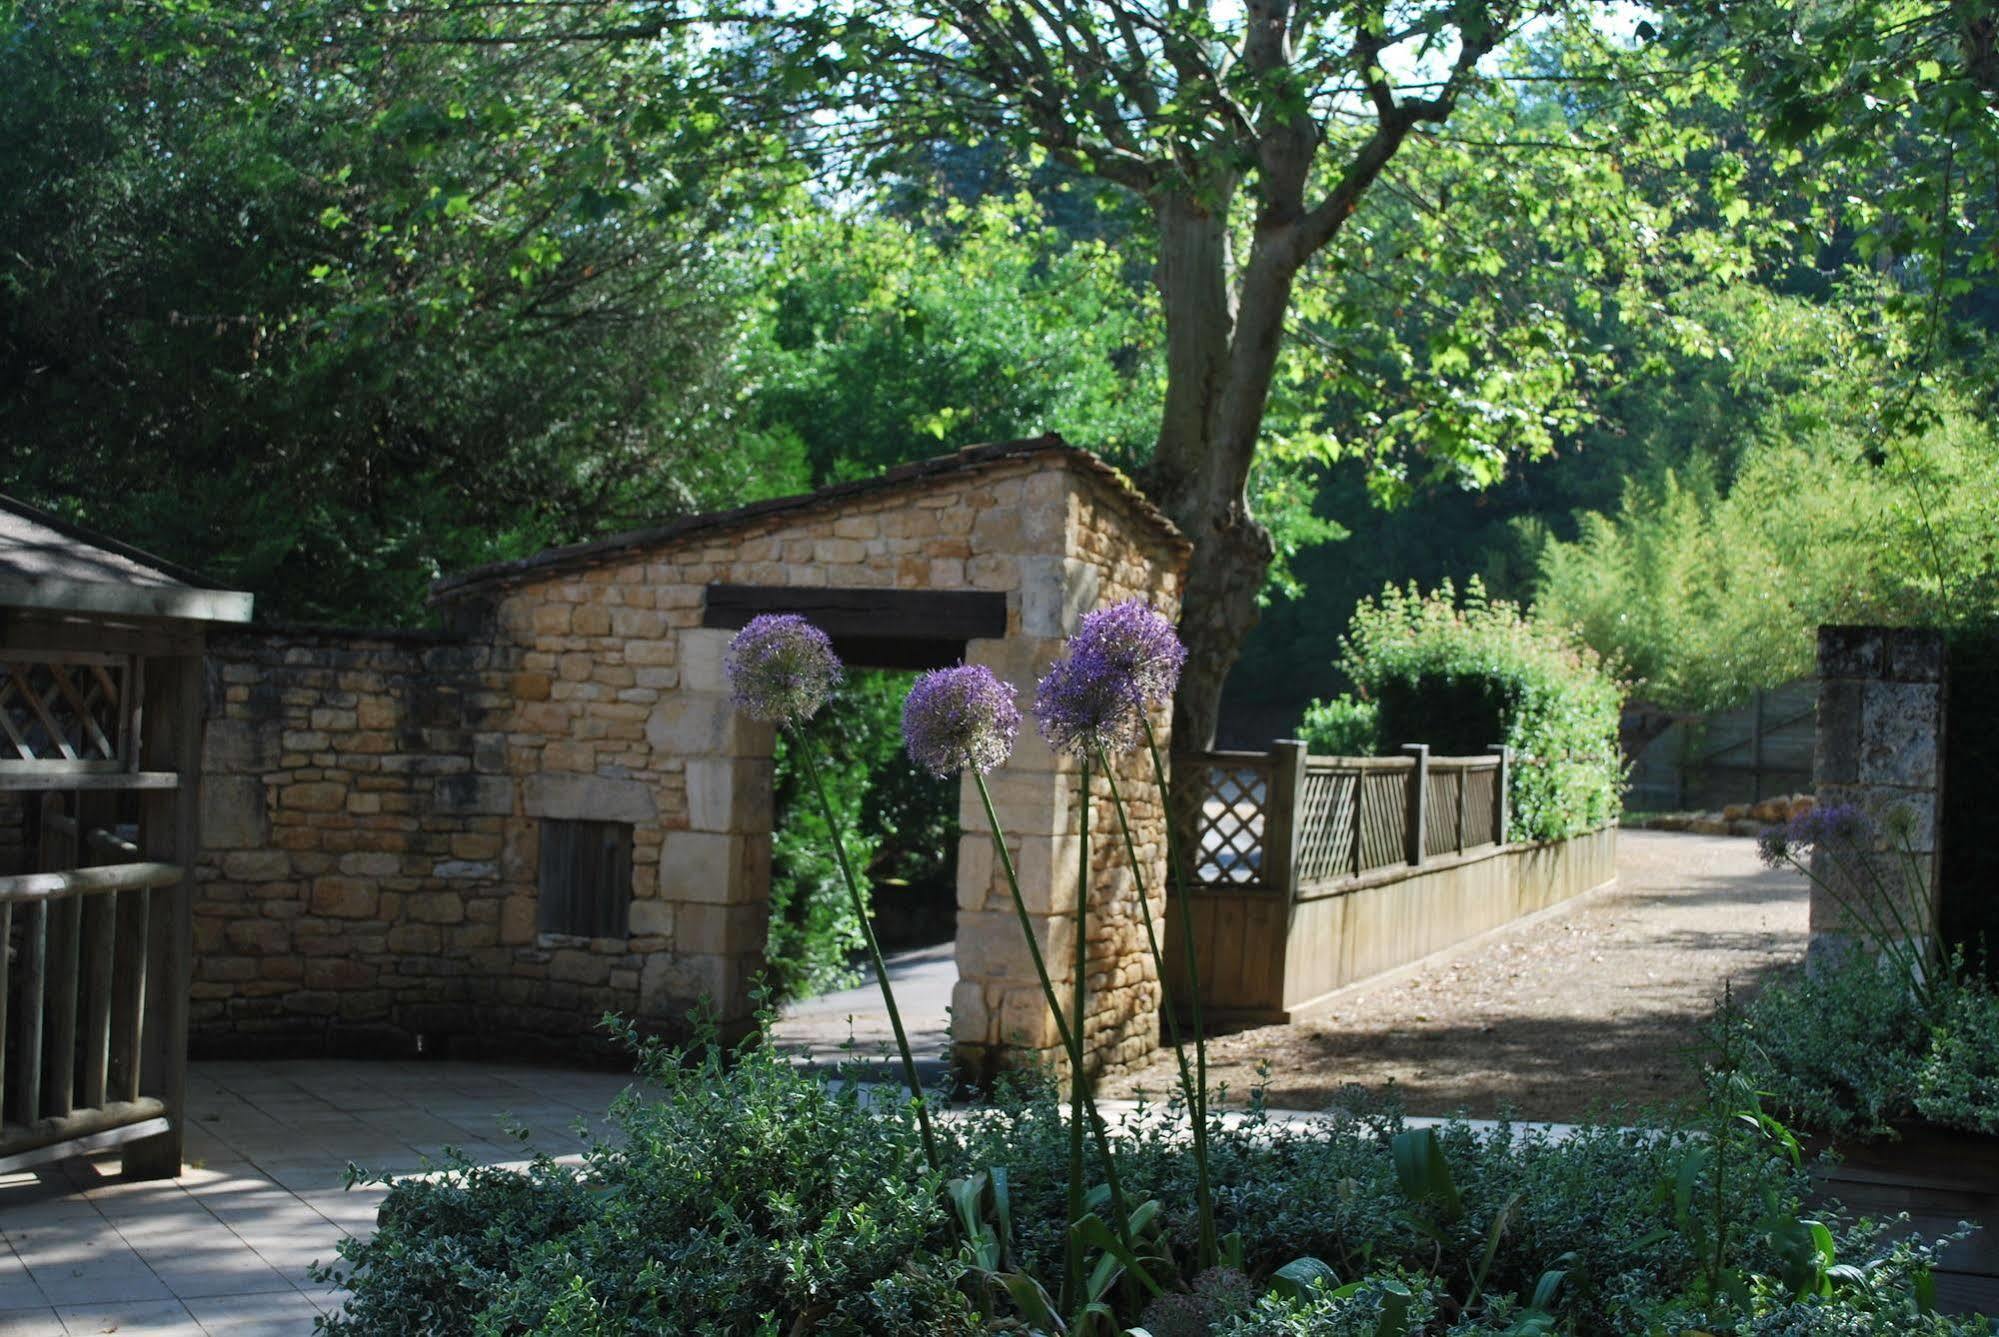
[1939, 1177]
[1272, 957]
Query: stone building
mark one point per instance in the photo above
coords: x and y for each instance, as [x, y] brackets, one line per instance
[486, 837]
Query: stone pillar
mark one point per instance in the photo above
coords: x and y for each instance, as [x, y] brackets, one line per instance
[713, 888]
[1881, 719]
[1000, 1017]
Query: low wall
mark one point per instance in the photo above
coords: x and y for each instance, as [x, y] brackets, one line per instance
[1268, 958]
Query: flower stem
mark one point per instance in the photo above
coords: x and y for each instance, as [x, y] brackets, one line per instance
[1078, 1084]
[1177, 875]
[1203, 1190]
[804, 749]
[1070, 1040]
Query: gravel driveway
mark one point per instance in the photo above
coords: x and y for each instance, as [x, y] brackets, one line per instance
[1594, 1006]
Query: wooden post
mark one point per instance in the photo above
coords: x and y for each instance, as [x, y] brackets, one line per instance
[1419, 799]
[1504, 777]
[1280, 816]
[170, 831]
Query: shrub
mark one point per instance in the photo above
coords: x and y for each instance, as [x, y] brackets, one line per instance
[744, 1198]
[1463, 674]
[1345, 726]
[1850, 1049]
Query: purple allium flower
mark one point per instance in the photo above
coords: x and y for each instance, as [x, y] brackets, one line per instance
[1086, 702]
[781, 669]
[1835, 826]
[1138, 641]
[959, 717]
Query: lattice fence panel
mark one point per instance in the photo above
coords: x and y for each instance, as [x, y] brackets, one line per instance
[1440, 821]
[1325, 825]
[1229, 823]
[62, 711]
[1481, 816]
[1384, 818]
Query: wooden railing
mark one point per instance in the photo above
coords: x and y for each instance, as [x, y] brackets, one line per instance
[1285, 821]
[95, 941]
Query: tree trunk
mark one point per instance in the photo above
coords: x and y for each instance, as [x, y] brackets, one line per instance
[1221, 353]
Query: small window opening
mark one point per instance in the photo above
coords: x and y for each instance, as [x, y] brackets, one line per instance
[586, 878]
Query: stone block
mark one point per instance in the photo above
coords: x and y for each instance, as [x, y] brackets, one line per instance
[1025, 1021]
[589, 798]
[671, 985]
[970, 1022]
[728, 794]
[721, 930]
[1836, 753]
[650, 919]
[590, 620]
[232, 746]
[1850, 652]
[517, 920]
[1913, 654]
[473, 795]
[367, 863]
[435, 907]
[343, 898]
[466, 870]
[315, 796]
[704, 724]
[233, 815]
[1900, 725]
[257, 866]
[703, 651]
[990, 946]
[708, 868]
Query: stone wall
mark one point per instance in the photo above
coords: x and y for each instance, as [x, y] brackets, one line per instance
[375, 803]
[1881, 720]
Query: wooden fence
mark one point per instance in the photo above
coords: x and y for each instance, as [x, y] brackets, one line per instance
[1309, 873]
[1284, 821]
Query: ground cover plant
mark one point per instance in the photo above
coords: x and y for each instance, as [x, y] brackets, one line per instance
[741, 1196]
[1892, 1031]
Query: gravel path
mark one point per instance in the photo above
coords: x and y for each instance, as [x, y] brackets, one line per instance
[1594, 1006]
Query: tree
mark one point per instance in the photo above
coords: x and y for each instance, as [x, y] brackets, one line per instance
[313, 297]
[1251, 138]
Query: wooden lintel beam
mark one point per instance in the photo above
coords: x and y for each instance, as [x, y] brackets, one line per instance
[865, 614]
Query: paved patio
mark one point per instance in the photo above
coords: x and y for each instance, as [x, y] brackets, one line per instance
[227, 1247]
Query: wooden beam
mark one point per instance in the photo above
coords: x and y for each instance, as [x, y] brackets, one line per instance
[38, 1141]
[39, 888]
[895, 615]
[82, 775]
[170, 829]
[177, 602]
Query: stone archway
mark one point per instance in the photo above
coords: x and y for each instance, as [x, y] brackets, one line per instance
[993, 553]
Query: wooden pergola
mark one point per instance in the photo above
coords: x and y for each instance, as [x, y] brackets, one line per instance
[101, 705]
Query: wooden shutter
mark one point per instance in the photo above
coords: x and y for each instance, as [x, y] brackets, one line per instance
[586, 878]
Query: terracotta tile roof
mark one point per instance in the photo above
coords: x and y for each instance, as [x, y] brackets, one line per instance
[554, 561]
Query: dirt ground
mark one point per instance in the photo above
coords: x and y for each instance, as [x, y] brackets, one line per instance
[1595, 1006]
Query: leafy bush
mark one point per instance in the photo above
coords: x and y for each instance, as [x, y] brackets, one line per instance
[743, 1198]
[901, 828]
[1850, 1049]
[1463, 674]
[1345, 726]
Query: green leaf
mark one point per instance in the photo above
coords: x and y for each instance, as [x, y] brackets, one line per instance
[1298, 1279]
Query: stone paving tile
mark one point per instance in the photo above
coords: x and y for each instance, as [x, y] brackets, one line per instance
[229, 1246]
[164, 1318]
[40, 1321]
